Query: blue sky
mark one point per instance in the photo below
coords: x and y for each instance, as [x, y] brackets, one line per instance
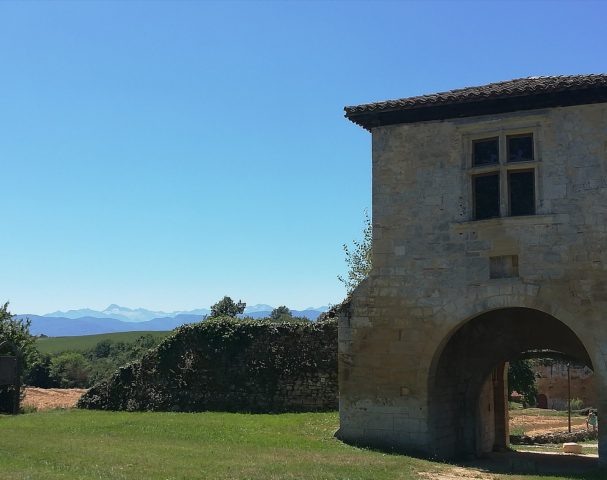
[163, 154]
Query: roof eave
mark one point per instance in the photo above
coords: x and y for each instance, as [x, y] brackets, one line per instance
[372, 118]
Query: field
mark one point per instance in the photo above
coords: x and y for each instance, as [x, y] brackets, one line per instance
[73, 444]
[48, 398]
[535, 421]
[85, 342]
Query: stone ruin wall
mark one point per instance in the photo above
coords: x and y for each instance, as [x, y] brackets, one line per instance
[551, 380]
[230, 365]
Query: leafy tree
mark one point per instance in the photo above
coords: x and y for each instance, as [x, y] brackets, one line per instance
[39, 373]
[227, 308]
[102, 348]
[107, 355]
[71, 369]
[283, 315]
[359, 258]
[279, 312]
[17, 332]
[521, 378]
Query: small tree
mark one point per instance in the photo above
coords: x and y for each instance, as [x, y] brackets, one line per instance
[71, 369]
[16, 332]
[39, 373]
[227, 308]
[521, 378]
[102, 349]
[359, 258]
[280, 312]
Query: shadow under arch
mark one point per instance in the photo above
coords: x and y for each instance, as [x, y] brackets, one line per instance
[466, 359]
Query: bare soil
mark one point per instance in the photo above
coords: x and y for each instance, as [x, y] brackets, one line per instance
[539, 424]
[48, 398]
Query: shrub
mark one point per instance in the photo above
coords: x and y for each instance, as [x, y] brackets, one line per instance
[17, 332]
[576, 404]
[71, 370]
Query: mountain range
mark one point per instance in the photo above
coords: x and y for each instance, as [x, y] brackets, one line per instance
[123, 319]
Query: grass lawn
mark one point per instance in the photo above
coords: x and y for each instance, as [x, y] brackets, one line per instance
[73, 444]
[86, 342]
[543, 412]
[587, 448]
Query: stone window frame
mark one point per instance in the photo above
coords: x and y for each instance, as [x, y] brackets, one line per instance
[503, 167]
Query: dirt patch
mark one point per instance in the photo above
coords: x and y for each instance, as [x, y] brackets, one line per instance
[457, 473]
[47, 398]
[537, 424]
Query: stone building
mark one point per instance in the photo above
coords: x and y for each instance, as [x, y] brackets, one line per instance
[554, 379]
[489, 243]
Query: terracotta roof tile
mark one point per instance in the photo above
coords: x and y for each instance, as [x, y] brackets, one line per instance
[521, 87]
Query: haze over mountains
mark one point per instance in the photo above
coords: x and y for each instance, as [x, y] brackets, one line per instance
[123, 319]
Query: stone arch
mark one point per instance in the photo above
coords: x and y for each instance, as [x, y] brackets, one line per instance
[523, 296]
[478, 347]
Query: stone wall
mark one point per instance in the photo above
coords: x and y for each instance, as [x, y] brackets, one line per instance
[230, 365]
[551, 381]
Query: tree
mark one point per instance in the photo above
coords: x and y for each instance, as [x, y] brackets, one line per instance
[39, 373]
[102, 348]
[227, 308]
[17, 332]
[71, 369]
[359, 258]
[279, 312]
[521, 378]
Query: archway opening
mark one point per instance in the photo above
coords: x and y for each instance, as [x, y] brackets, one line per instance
[468, 404]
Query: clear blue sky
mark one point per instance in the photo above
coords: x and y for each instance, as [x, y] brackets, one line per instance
[164, 154]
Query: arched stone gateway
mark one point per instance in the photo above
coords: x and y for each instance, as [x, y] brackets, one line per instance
[468, 411]
[489, 241]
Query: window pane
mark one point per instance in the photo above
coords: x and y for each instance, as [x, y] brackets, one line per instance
[485, 152]
[486, 196]
[522, 193]
[520, 148]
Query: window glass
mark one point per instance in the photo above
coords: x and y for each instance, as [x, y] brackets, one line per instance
[485, 152]
[520, 148]
[486, 196]
[522, 193]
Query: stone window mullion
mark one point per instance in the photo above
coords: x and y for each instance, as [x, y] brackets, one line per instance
[503, 171]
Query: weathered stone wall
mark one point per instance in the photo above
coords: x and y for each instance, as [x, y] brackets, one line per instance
[230, 365]
[431, 275]
[551, 380]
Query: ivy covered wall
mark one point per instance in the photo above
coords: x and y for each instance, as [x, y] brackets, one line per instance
[228, 364]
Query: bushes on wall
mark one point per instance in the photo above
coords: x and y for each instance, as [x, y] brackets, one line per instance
[230, 365]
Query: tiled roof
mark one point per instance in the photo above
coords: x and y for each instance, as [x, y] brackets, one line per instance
[530, 87]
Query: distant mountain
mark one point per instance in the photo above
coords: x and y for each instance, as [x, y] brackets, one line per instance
[124, 313]
[122, 319]
[258, 308]
[65, 327]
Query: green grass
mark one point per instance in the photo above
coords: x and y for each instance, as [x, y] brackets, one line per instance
[86, 342]
[517, 431]
[74, 444]
[587, 448]
[544, 412]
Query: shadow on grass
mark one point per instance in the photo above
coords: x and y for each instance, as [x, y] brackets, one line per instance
[539, 464]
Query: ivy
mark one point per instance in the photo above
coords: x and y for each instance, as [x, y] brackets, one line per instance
[231, 364]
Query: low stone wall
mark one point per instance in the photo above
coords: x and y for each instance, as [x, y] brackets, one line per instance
[580, 436]
[230, 365]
